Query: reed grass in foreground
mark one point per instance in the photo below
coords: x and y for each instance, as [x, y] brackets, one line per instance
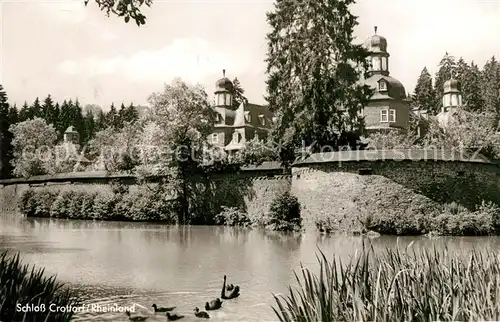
[22, 284]
[396, 285]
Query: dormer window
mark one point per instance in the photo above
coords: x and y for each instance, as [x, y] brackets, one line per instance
[248, 117]
[262, 119]
[382, 86]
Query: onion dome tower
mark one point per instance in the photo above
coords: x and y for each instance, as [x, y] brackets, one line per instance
[379, 57]
[223, 91]
[452, 96]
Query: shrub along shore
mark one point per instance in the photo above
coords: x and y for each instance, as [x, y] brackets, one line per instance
[152, 204]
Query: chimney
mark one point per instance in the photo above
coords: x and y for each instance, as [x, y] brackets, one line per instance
[375, 29]
[223, 73]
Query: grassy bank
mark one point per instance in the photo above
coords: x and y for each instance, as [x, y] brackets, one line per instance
[396, 285]
[22, 285]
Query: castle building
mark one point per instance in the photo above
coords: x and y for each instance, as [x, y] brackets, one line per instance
[388, 107]
[237, 123]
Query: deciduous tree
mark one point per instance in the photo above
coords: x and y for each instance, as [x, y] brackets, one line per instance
[314, 69]
[128, 9]
[33, 143]
[185, 118]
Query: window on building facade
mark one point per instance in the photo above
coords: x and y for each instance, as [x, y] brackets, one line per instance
[382, 86]
[384, 64]
[215, 138]
[376, 63]
[392, 116]
[384, 116]
[248, 117]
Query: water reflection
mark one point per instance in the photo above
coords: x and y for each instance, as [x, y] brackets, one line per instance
[125, 263]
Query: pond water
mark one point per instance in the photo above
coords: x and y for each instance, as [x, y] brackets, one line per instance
[112, 263]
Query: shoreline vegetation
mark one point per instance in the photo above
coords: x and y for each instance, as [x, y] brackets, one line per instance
[396, 285]
[26, 285]
[151, 203]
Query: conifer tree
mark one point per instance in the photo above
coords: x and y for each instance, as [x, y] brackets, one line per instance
[49, 110]
[101, 122]
[112, 117]
[36, 109]
[132, 113]
[90, 125]
[78, 120]
[424, 95]
[314, 69]
[470, 81]
[24, 113]
[5, 138]
[237, 93]
[490, 84]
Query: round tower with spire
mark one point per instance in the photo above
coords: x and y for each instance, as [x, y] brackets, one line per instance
[379, 57]
[388, 107]
[223, 91]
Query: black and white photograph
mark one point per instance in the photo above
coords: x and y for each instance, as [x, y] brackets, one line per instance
[249, 160]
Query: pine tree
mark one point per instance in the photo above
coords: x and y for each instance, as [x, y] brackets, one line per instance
[121, 116]
[5, 138]
[24, 113]
[424, 95]
[36, 109]
[101, 122]
[131, 115]
[314, 69]
[90, 127]
[112, 117]
[78, 120]
[13, 115]
[447, 69]
[470, 81]
[237, 93]
[490, 84]
[49, 110]
[65, 118]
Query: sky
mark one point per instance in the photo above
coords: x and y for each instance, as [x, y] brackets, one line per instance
[62, 48]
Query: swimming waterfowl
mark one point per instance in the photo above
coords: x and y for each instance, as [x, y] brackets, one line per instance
[213, 305]
[174, 317]
[163, 309]
[234, 293]
[201, 314]
[135, 318]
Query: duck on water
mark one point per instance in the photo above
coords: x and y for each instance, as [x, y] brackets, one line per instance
[162, 309]
[201, 314]
[213, 305]
[135, 318]
[174, 317]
